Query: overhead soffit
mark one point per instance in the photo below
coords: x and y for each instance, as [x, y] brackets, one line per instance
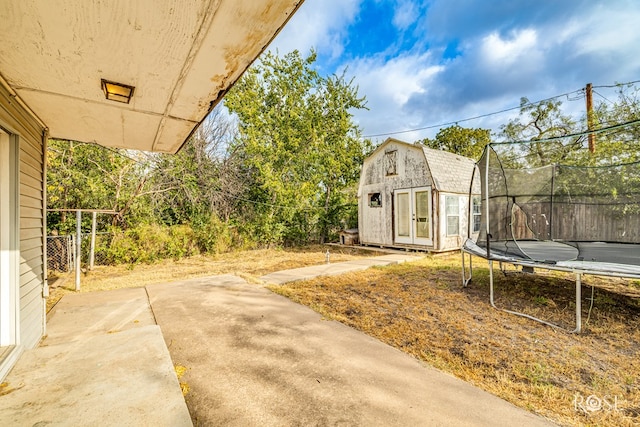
[180, 55]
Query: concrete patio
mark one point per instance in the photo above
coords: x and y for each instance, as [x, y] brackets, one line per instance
[252, 358]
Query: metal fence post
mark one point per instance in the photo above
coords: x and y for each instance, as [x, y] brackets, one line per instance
[78, 247]
[92, 247]
[69, 252]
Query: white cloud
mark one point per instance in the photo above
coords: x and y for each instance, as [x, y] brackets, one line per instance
[610, 29]
[388, 87]
[496, 53]
[397, 79]
[497, 50]
[406, 13]
[318, 24]
[610, 33]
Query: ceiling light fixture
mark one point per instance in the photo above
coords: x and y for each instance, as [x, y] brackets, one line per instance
[117, 91]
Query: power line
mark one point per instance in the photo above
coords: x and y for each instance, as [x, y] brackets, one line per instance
[454, 122]
[271, 205]
[618, 84]
[118, 151]
[603, 97]
[309, 209]
[477, 117]
[571, 135]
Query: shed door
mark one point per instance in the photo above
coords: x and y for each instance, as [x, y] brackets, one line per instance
[412, 216]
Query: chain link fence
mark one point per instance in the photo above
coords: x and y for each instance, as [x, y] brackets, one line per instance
[61, 251]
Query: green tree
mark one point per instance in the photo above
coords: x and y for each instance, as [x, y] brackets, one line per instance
[204, 178]
[546, 120]
[467, 142]
[538, 122]
[298, 139]
[607, 181]
[621, 145]
[88, 176]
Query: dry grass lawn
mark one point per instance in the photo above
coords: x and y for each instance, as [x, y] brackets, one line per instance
[422, 309]
[247, 264]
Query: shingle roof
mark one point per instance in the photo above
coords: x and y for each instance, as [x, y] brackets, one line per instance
[450, 172]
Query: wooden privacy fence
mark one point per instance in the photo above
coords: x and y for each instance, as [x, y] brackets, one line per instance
[565, 222]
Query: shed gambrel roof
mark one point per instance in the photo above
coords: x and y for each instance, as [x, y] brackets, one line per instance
[451, 172]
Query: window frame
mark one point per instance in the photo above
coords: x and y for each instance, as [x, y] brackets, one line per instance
[450, 216]
[370, 200]
[9, 240]
[391, 163]
[476, 202]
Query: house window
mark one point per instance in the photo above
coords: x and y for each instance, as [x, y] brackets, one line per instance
[476, 211]
[375, 200]
[452, 206]
[390, 162]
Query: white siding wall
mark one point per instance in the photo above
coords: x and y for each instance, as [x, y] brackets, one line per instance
[19, 122]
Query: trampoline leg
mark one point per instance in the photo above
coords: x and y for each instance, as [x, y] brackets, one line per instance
[466, 280]
[491, 284]
[578, 303]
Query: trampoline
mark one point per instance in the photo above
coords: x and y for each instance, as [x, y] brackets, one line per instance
[581, 216]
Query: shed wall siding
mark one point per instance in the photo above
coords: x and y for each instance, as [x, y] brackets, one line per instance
[19, 122]
[375, 225]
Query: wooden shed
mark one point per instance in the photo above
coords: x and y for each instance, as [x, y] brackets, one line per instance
[415, 197]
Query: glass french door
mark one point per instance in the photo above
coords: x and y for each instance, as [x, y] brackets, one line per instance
[412, 216]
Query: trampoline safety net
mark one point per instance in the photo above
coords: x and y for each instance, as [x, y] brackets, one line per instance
[556, 201]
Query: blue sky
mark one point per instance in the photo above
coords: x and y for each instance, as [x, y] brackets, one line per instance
[425, 62]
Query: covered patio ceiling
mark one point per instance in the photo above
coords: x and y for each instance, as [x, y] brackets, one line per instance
[179, 56]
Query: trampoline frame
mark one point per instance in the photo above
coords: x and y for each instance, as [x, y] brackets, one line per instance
[579, 272]
[575, 267]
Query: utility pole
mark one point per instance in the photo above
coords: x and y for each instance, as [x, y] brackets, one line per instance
[591, 137]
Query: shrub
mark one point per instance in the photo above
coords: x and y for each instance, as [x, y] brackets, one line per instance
[149, 243]
[214, 236]
[182, 242]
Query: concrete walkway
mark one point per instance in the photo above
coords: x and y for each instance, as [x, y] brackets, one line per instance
[252, 358]
[255, 358]
[304, 273]
[104, 363]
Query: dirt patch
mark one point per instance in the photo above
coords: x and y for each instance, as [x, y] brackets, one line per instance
[422, 309]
